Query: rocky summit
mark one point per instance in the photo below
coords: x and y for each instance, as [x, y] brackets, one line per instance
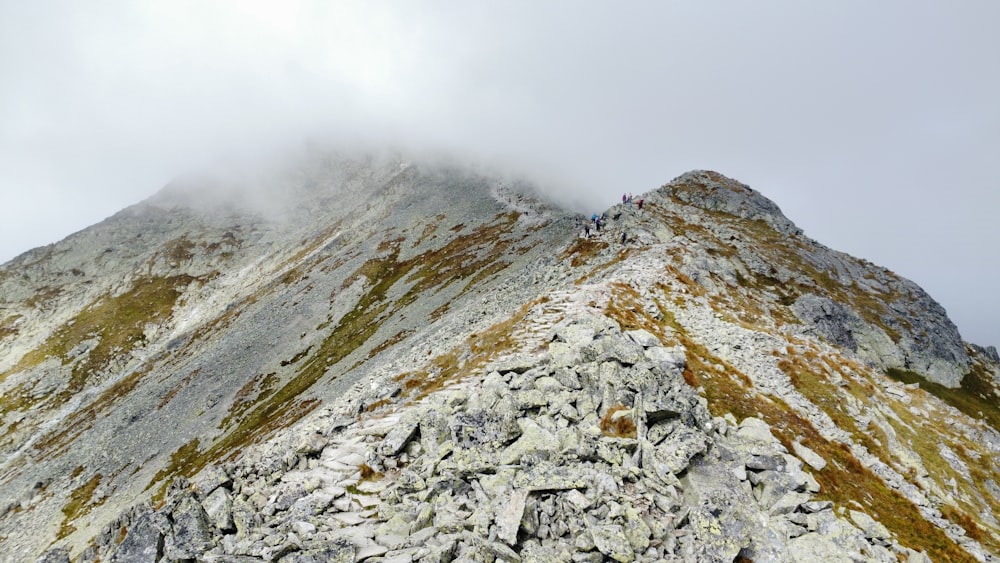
[371, 359]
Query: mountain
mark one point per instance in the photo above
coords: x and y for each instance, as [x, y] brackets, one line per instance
[374, 359]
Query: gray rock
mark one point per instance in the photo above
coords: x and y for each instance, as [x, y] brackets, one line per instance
[817, 506]
[303, 529]
[837, 547]
[674, 454]
[312, 444]
[717, 193]
[991, 353]
[510, 513]
[370, 550]
[399, 436]
[612, 542]
[719, 516]
[531, 398]
[143, 542]
[553, 477]
[869, 526]
[191, 532]
[519, 363]
[209, 479]
[219, 508]
[534, 552]
[623, 351]
[755, 429]
[336, 552]
[547, 384]
[56, 555]
[567, 377]
[834, 321]
[565, 355]
[533, 439]
[810, 457]
[636, 530]
[643, 338]
[766, 462]
[486, 428]
[671, 360]
[788, 503]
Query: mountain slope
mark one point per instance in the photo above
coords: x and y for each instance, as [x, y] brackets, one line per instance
[204, 338]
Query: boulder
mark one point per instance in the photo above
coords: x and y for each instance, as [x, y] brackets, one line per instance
[839, 546]
[533, 439]
[755, 429]
[143, 542]
[643, 338]
[191, 532]
[720, 511]
[509, 515]
[813, 459]
[671, 360]
[871, 528]
[618, 349]
[612, 542]
[492, 428]
[675, 452]
[399, 436]
[219, 508]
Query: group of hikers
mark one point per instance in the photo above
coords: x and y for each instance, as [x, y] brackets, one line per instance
[598, 221]
[627, 200]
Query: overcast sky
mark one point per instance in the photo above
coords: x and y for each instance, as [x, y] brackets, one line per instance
[875, 126]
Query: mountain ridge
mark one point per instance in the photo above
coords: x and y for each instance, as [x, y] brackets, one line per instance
[248, 325]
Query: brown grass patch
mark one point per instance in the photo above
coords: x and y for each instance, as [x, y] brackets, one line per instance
[369, 474]
[79, 505]
[580, 251]
[618, 427]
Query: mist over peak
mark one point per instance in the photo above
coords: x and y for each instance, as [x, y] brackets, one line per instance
[109, 104]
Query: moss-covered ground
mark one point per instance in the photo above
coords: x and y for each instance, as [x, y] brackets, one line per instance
[116, 324]
[80, 503]
[8, 326]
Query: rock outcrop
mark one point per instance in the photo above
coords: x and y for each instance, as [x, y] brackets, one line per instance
[611, 458]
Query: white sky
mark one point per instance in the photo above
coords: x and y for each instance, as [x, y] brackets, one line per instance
[875, 126]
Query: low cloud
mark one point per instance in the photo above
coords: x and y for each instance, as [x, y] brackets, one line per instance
[873, 126]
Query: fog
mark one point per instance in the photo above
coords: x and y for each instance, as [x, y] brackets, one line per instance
[874, 126]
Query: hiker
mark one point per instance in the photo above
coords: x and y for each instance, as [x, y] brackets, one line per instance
[597, 223]
[640, 203]
[623, 237]
[623, 198]
[586, 229]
